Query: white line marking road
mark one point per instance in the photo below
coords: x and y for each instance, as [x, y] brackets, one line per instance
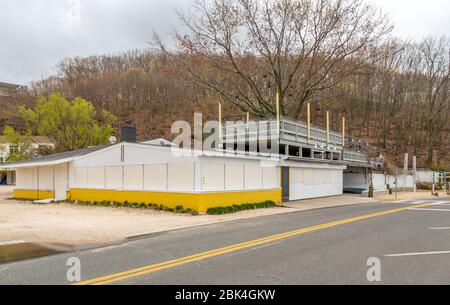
[434, 210]
[417, 254]
[443, 228]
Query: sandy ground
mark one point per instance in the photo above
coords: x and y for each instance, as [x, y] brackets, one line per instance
[87, 225]
[410, 195]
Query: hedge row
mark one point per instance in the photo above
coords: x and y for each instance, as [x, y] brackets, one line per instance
[157, 207]
[241, 207]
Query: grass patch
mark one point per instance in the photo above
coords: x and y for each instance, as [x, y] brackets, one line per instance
[240, 207]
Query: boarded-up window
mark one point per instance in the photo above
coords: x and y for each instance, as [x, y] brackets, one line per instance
[155, 177]
[308, 176]
[328, 177]
[96, 177]
[133, 177]
[114, 177]
[46, 178]
[25, 179]
[253, 177]
[271, 177]
[80, 176]
[318, 176]
[181, 177]
[234, 177]
[213, 177]
[296, 175]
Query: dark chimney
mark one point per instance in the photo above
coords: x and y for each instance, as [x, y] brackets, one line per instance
[128, 134]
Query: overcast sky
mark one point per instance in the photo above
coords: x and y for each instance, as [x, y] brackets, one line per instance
[36, 34]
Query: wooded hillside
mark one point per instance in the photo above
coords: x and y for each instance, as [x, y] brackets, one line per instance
[337, 55]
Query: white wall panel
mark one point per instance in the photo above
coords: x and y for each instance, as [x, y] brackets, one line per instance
[133, 177]
[25, 179]
[308, 175]
[379, 181]
[253, 177]
[234, 177]
[155, 177]
[296, 176]
[46, 178]
[114, 177]
[181, 177]
[271, 177]
[80, 176]
[61, 181]
[96, 177]
[213, 177]
[355, 181]
[315, 183]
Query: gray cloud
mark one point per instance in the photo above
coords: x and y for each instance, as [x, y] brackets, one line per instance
[35, 34]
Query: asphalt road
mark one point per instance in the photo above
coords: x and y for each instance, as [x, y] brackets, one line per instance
[327, 246]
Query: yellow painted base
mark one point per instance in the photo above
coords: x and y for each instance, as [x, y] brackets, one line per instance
[32, 194]
[198, 202]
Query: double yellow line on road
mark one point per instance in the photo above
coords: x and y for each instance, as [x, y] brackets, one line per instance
[112, 278]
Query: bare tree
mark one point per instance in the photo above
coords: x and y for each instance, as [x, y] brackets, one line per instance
[298, 48]
[435, 64]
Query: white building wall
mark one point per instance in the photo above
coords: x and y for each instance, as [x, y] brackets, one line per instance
[155, 177]
[213, 177]
[96, 177]
[134, 177]
[181, 177]
[253, 177]
[306, 183]
[271, 177]
[114, 177]
[80, 177]
[356, 181]
[25, 178]
[379, 181]
[234, 177]
[425, 176]
[408, 183]
[45, 178]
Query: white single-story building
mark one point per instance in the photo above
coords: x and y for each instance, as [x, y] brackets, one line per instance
[30, 146]
[158, 173]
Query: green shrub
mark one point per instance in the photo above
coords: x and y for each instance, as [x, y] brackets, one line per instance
[240, 207]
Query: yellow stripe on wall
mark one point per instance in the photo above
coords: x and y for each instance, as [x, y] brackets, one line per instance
[198, 202]
[32, 194]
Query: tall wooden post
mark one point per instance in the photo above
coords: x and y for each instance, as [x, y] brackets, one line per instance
[220, 123]
[309, 120]
[328, 127]
[343, 131]
[278, 111]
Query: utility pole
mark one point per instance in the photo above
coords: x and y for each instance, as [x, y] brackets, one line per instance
[415, 173]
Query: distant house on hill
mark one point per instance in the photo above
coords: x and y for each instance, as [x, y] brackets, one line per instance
[32, 147]
[11, 89]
